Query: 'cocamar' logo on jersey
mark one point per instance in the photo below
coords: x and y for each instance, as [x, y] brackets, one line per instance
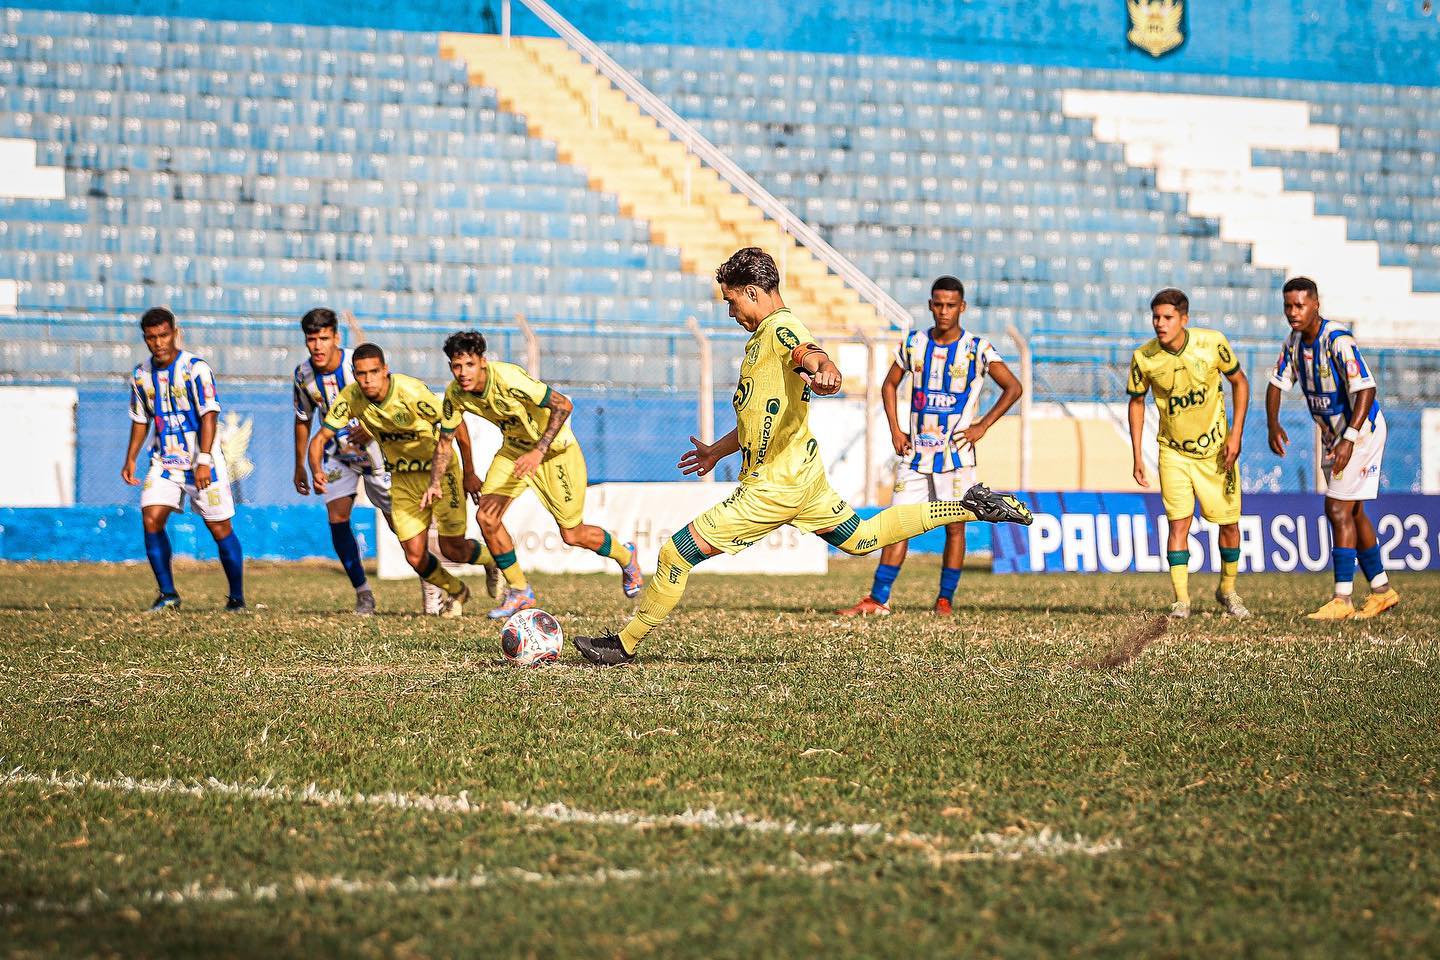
[742, 393]
[1203, 443]
[1185, 401]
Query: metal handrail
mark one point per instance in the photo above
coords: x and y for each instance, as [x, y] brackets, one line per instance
[716, 159]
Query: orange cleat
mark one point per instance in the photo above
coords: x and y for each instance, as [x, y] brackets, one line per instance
[1338, 608]
[942, 607]
[867, 607]
[1378, 603]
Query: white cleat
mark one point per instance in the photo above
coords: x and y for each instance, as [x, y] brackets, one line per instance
[452, 608]
[1179, 611]
[1232, 605]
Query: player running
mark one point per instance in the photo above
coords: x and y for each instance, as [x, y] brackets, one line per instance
[350, 458]
[947, 367]
[176, 389]
[404, 416]
[1342, 396]
[538, 450]
[1198, 451]
[782, 479]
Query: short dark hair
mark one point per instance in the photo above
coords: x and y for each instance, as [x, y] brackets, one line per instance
[948, 283]
[466, 341]
[749, 267]
[156, 317]
[1301, 284]
[1171, 297]
[321, 318]
[368, 351]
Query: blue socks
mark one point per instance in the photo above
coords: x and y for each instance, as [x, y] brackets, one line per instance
[949, 580]
[1373, 566]
[885, 575]
[157, 551]
[348, 550]
[1344, 558]
[232, 558]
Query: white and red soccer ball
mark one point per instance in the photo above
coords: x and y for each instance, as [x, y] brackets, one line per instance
[531, 638]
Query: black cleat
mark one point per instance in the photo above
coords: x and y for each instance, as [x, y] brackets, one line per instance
[996, 507]
[235, 605]
[166, 601]
[606, 651]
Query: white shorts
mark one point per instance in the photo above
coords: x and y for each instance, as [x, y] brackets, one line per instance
[343, 480]
[214, 503]
[1360, 480]
[912, 486]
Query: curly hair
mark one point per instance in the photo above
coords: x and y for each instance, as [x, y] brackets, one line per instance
[749, 267]
[466, 341]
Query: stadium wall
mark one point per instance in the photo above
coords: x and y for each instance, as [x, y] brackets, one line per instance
[1362, 41]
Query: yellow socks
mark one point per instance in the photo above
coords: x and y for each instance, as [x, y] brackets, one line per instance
[892, 525]
[1229, 568]
[479, 555]
[514, 576]
[664, 589]
[1180, 573]
[442, 578]
[612, 548]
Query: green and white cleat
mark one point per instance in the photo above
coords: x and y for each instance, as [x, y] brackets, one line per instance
[1232, 605]
[1179, 610]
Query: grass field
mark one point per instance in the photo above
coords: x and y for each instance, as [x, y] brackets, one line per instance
[1047, 773]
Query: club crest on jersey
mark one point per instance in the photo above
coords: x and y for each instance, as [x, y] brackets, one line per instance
[403, 418]
[752, 354]
[1156, 26]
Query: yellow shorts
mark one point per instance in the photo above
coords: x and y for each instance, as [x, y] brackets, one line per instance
[753, 510]
[406, 491]
[1184, 480]
[559, 483]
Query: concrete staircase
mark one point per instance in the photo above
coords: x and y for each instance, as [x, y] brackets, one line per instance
[599, 129]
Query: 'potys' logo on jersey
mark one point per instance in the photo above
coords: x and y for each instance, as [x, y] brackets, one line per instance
[742, 393]
[1156, 26]
[1184, 401]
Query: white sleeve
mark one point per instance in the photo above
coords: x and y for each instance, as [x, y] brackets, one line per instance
[1351, 365]
[203, 379]
[1284, 374]
[987, 353]
[139, 404]
[902, 352]
[304, 403]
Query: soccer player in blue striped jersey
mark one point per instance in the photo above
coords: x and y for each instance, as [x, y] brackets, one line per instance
[947, 366]
[1341, 393]
[175, 390]
[351, 457]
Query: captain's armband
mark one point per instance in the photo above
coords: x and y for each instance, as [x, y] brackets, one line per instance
[801, 351]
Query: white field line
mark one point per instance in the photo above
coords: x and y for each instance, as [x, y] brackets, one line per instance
[979, 846]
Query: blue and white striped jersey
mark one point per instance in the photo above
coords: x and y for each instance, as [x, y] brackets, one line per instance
[172, 399]
[1329, 372]
[317, 390]
[946, 381]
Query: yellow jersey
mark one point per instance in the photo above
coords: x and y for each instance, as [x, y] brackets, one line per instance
[512, 400]
[406, 423]
[772, 407]
[1188, 390]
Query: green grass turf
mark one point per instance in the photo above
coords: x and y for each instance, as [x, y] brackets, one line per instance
[1266, 788]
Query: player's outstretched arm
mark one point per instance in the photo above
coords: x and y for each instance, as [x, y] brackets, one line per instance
[137, 438]
[316, 452]
[1279, 439]
[1136, 413]
[817, 368]
[703, 457]
[889, 391]
[1240, 389]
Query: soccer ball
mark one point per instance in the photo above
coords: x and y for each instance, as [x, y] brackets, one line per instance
[530, 638]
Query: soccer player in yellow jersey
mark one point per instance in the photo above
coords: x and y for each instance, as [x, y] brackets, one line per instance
[404, 416]
[1198, 450]
[782, 479]
[538, 450]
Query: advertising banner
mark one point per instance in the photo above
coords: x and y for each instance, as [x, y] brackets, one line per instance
[1120, 532]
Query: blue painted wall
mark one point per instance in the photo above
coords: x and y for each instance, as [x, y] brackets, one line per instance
[1382, 41]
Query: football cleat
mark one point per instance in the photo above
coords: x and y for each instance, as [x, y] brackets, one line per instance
[492, 580]
[995, 507]
[1378, 603]
[867, 607]
[453, 608]
[606, 651]
[630, 579]
[236, 605]
[1336, 608]
[166, 601]
[1179, 610]
[364, 603]
[514, 602]
[1232, 605]
[943, 607]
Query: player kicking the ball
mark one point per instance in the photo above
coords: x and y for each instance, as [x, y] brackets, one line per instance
[1341, 393]
[1198, 452]
[538, 450]
[404, 416]
[176, 389]
[782, 479]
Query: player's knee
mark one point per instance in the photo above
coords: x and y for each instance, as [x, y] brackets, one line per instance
[456, 551]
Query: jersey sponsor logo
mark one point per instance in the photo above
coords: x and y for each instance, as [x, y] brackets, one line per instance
[787, 338]
[742, 393]
[934, 401]
[1224, 353]
[449, 407]
[812, 447]
[1352, 368]
[518, 393]
[1137, 377]
[866, 545]
[425, 410]
[772, 410]
[341, 408]
[1203, 443]
[406, 465]
[930, 441]
[1194, 398]
[398, 436]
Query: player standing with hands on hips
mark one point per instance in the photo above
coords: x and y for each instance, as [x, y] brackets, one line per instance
[1341, 393]
[947, 367]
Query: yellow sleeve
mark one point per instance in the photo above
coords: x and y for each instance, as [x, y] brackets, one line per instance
[341, 410]
[452, 413]
[1139, 383]
[514, 381]
[1225, 359]
[422, 402]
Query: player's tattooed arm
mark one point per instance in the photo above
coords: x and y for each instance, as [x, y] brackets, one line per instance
[560, 410]
[138, 432]
[444, 451]
[209, 421]
[817, 368]
[317, 451]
